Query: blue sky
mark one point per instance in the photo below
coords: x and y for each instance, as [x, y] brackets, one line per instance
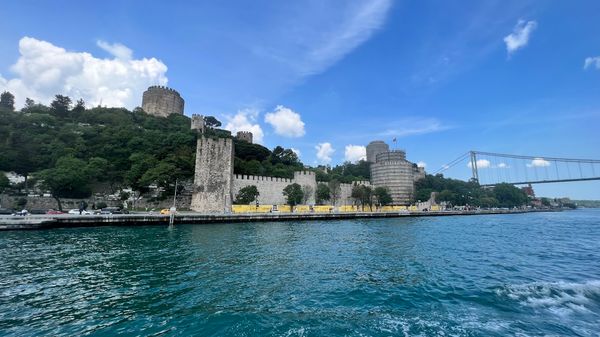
[444, 77]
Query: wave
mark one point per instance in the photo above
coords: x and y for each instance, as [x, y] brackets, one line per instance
[562, 298]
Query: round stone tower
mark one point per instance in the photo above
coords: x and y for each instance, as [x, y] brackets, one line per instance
[392, 171]
[162, 101]
[374, 148]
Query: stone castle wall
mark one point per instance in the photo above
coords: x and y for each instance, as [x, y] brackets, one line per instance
[213, 177]
[162, 101]
[345, 197]
[271, 188]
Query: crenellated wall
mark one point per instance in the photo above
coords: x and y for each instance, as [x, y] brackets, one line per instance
[271, 188]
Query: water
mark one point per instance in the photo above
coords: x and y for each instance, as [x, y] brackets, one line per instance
[520, 275]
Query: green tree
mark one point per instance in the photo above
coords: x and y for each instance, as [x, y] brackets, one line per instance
[293, 194]
[140, 164]
[363, 195]
[61, 105]
[7, 101]
[307, 192]
[212, 122]
[509, 196]
[4, 182]
[335, 190]
[247, 195]
[383, 196]
[79, 106]
[322, 194]
[67, 179]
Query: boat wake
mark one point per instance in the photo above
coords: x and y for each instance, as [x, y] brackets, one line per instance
[561, 298]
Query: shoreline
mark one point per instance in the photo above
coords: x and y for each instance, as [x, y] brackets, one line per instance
[34, 222]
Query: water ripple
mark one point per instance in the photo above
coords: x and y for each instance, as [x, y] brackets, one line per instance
[527, 275]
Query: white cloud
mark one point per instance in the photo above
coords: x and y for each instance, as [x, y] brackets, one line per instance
[44, 70]
[116, 49]
[520, 36]
[245, 120]
[539, 162]
[422, 164]
[481, 164]
[324, 152]
[354, 153]
[356, 26]
[296, 151]
[503, 165]
[592, 62]
[286, 122]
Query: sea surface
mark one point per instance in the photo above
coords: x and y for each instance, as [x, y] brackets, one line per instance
[532, 274]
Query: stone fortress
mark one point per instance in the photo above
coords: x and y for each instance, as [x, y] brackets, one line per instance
[215, 184]
[162, 101]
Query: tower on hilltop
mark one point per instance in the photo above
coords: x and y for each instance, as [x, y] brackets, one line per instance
[245, 136]
[162, 101]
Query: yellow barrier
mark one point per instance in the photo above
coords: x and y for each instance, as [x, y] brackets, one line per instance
[323, 209]
[435, 208]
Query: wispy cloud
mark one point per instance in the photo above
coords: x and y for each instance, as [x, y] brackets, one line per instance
[519, 38]
[314, 41]
[413, 127]
[591, 62]
[360, 22]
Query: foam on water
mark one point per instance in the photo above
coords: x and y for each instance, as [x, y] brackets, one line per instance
[561, 298]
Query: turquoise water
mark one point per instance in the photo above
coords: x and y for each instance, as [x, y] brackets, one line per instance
[525, 274]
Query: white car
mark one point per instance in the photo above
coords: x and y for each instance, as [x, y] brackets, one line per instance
[76, 212]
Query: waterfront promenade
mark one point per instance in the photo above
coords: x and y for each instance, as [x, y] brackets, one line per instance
[141, 219]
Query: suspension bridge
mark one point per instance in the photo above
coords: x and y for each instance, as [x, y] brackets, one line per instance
[490, 169]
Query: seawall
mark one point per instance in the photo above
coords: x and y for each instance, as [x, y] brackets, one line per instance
[66, 221]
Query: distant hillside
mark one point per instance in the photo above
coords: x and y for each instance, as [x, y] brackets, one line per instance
[587, 203]
[74, 149]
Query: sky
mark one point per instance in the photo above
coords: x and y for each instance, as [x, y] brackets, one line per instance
[327, 77]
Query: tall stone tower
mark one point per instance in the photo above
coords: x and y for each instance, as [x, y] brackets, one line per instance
[374, 148]
[392, 171]
[162, 101]
[198, 122]
[213, 178]
[245, 136]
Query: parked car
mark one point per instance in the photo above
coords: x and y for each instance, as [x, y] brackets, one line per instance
[6, 211]
[114, 210]
[165, 211]
[37, 211]
[22, 213]
[76, 212]
[53, 211]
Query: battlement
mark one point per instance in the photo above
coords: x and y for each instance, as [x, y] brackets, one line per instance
[357, 183]
[163, 88]
[304, 173]
[262, 178]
